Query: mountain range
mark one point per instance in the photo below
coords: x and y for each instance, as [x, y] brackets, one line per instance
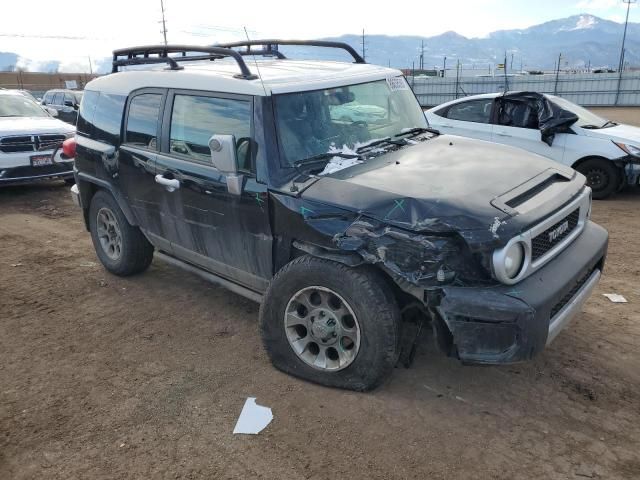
[582, 40]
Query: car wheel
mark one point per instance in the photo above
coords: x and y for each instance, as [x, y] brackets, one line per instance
[331, 324]
[121, 247]
[602, 176]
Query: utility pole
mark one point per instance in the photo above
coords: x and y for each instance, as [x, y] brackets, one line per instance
[624, 35]
[555, 88]
[164, 23]
[90, 66]
[511, 66]
[363, 49]
[444, 66]
[422, 56]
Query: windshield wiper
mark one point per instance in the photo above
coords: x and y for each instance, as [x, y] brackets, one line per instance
[417, 131]
[609, 123]
[322, 157]
[376, 143]
[590, 127]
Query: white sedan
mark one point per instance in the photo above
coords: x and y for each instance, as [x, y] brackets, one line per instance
[607, 153]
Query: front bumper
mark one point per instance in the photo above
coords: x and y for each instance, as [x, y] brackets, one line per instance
[17, 168]
[512, 323]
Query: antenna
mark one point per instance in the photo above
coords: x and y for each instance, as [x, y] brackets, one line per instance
[363, 49]
[256, 62]
[164, 23]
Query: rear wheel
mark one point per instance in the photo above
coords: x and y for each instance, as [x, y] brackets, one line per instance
[121, 247]
[602, 176]
[331, 324]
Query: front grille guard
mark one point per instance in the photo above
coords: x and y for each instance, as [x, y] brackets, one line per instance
[530, 265]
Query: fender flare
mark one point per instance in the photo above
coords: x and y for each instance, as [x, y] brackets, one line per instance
[87, 193]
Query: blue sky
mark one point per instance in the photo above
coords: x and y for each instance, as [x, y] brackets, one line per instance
[96, 27]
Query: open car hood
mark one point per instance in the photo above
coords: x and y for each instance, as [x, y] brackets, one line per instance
[448, 183]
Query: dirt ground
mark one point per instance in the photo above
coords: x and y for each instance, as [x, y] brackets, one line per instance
[630, 115]
[105, 377]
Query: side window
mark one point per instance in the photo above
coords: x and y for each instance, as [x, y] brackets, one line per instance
[142, 122]
[107, 119]
[519, 114]
[48, 99]
[87, 109]
[57, 98]
[69, 98]
[478, 111]
[194, 119]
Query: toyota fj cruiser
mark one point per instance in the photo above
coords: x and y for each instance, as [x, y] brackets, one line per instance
[350, 232]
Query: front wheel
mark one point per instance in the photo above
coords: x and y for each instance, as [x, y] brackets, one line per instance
[602, 176]
[331, 324]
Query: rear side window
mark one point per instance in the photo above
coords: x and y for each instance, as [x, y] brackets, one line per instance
[195, 118]
[48, 99]
[86, 112]
[57, 98]
[478, 111]
[142, 121]
[107, 119]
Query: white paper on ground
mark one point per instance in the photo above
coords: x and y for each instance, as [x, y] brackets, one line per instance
[253, 418]
[615, 298]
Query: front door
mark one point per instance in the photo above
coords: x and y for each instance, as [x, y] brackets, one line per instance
[470, 118]
[224, 233]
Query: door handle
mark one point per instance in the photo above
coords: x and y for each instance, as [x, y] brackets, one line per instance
[171, 184]
[502, 134]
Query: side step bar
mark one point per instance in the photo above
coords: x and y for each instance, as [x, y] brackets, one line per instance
[210, 277]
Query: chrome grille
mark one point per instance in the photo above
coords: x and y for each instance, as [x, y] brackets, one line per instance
[545, 241]
[30, 143]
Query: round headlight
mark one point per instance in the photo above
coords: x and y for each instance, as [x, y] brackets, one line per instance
[513, 260]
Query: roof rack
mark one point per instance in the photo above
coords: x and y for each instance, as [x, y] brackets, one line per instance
[270, 47]
[151, 54]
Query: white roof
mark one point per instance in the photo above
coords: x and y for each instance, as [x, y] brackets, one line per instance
[277, 76]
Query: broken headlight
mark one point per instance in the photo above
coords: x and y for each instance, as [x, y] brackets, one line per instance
[629, 149]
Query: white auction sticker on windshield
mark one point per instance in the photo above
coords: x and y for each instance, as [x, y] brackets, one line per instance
[397, 83]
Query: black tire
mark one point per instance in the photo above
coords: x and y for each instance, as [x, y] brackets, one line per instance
[370, 298]
[602, 176]
[135, 252]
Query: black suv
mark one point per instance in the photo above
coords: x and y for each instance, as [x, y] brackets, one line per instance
[65, 102]
[318, 189]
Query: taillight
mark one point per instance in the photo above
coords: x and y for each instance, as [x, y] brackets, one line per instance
[69, 147]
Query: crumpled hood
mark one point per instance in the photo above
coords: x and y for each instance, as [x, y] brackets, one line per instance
[620, 133]
[32, 125]
[444, 184]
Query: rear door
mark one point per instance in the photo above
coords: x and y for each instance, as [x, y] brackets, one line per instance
[517, 125]
[137, 164]
[469, 118]
[221, 232]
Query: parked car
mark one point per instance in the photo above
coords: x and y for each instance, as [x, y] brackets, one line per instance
[31, 142]
[351, 236]
[66, 102]
[607, 153]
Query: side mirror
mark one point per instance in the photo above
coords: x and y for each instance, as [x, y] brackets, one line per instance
[51, 111]
[68, 103]
[223, 157]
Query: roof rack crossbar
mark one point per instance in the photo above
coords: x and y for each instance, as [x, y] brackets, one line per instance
[143, 55]
[271, 46]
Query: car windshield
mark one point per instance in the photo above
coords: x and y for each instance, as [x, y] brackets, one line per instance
[586, 118]
[314, 123]
[19, 106]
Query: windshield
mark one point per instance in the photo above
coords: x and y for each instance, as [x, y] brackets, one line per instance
[19, 106]
[317, 122]
[585, 117]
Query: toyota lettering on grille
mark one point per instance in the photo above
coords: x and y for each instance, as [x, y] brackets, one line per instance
[559, 230]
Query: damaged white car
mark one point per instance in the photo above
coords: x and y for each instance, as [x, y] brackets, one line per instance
[605, 152]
